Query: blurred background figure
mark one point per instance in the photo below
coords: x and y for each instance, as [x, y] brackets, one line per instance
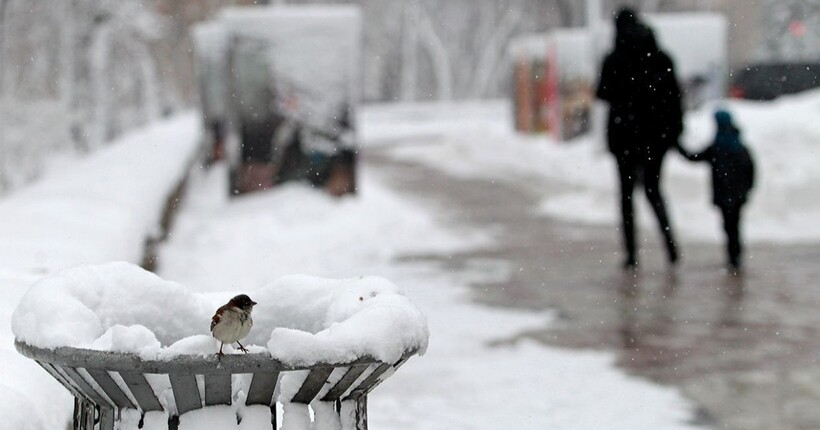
[645, 120]
[733, 176]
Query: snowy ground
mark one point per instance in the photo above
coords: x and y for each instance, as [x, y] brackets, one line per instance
[99, 209]
[465, 380]
[476, 141]
[462, 382]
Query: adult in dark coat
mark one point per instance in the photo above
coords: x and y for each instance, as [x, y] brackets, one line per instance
[645, 120]
[733, 176]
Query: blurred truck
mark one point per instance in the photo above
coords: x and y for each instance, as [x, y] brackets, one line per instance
[284, 92]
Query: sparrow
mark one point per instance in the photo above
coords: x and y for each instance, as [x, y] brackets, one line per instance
[232, 322]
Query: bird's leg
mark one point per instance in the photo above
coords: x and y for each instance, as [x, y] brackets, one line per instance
[220, 353]
[242, 348]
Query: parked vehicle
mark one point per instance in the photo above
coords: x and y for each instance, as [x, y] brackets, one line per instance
[285, 80]
[767, 81]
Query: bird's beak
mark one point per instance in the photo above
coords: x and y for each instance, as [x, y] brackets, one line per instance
[253, 303]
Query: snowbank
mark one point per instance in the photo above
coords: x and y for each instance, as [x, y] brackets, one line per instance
[100, 208]
[303, 320]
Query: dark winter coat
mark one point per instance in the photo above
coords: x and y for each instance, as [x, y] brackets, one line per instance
[638, 80]
[733, 171]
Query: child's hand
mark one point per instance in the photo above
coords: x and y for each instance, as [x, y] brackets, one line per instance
[680, 149]
[686, 154]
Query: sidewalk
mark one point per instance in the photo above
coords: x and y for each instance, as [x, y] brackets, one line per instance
[742, 347]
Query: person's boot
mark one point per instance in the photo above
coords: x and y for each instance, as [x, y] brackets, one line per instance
[734, 262]
[671, 247]
[631, 263]
[672, 253]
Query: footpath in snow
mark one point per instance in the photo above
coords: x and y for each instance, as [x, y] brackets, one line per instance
[100, 209]
[476, 141]
[226, 246]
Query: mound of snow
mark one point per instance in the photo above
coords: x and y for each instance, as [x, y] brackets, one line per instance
[300, 320]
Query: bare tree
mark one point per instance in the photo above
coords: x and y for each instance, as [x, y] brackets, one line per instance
[409, 50]
[440, 61]
[77, 74]
[492, 56]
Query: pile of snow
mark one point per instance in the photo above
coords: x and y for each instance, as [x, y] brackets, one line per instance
[103, 207]
[302, 320]
[97, 209]
[228, 243]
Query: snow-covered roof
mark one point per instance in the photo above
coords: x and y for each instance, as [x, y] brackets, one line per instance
[261, 14]
[529, 46]
[696, 41]
[313, 52]
[210, 39]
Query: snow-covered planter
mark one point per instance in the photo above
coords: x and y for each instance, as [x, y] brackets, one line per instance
[135, 349]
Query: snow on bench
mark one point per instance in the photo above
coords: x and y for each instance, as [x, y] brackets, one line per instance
[132, 349]
[97, 208]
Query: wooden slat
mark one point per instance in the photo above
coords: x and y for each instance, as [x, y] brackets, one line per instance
[354, 414]
[111, 389]
[78, 413]
[261, 390]
[82, 416]
[313, 384]
[100, 388]
[85, 387]
[218, 389]
[368, 382]
[50, 368]
[186, 392]
[88, 416]
[106, 419]
[353, 373]
[395, 367]
[361, 413]
[141, 390]
[193, 364]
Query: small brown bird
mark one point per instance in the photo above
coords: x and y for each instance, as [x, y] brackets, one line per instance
[232, 322]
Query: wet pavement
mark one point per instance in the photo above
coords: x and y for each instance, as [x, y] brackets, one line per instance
[743, 347]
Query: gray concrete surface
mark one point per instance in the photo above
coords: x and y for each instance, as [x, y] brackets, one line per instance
[744, 348]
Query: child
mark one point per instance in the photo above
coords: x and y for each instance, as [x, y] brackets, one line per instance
[733, 176]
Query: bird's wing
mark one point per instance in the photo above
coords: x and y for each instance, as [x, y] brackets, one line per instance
[218, 316]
